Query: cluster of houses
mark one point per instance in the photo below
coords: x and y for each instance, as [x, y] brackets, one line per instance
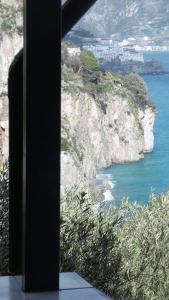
[73, 51]
[154, 48]
[107, 49]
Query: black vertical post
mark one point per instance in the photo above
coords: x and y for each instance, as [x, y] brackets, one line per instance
[15, 94]
[41, 145]
[72, 11]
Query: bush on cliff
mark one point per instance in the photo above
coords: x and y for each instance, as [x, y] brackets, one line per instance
[69, 75]
[137, 86]
[98, 83]
[90, 72]
[91, 67]
[8, 19]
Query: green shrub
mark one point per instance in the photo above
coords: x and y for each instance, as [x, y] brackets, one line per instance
[134, 109]
[4, 222]
[105, 87]
[65, 144]
[137, 86]
[88, 241]
[116, 78]
[90, 67]
[8, 19]
[144, 250]
[124, 252]
[69, 75]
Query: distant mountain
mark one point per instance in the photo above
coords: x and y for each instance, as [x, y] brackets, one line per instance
[129, 18]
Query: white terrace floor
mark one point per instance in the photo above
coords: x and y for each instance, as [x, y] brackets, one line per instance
[72, 287]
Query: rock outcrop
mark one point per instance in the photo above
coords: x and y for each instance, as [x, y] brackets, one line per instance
[99, 132]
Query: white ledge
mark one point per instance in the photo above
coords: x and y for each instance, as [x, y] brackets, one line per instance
[72, 287]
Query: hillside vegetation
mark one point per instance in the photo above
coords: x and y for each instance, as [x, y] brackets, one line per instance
[84, 72]
[124, 251]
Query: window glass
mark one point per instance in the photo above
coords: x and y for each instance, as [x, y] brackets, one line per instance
[115, 149]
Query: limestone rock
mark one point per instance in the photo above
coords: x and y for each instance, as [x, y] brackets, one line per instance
[117, 135]
[9, 46]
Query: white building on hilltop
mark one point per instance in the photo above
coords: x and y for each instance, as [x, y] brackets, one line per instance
[108, 50]
[73, 51]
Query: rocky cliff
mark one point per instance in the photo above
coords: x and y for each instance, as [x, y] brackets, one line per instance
[97, 132]
[10, 44]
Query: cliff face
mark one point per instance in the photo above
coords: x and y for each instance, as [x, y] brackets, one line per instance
[98, 133]
[10, 44]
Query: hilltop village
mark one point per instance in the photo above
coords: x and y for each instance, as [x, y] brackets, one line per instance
[120, 57]
[107, 49]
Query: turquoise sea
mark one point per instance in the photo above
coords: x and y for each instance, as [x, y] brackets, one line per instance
[136, 180]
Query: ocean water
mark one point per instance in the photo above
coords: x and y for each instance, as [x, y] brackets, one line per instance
[137, 180]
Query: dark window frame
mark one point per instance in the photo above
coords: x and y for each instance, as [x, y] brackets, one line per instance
[34, 146]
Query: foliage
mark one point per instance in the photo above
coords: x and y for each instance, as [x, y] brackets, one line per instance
[137, 86]
[105, 83]
[133, 105]
[69, 75]
[71, 81]
[72, 89]
[116, 78]
[8, 19]
[91, 67]
[144, 250]
[84, 68]
[124, 252]
[68, 43]
[98, 83]
[88, 242]
[4, 223]
[65, 144]
[69, 145]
